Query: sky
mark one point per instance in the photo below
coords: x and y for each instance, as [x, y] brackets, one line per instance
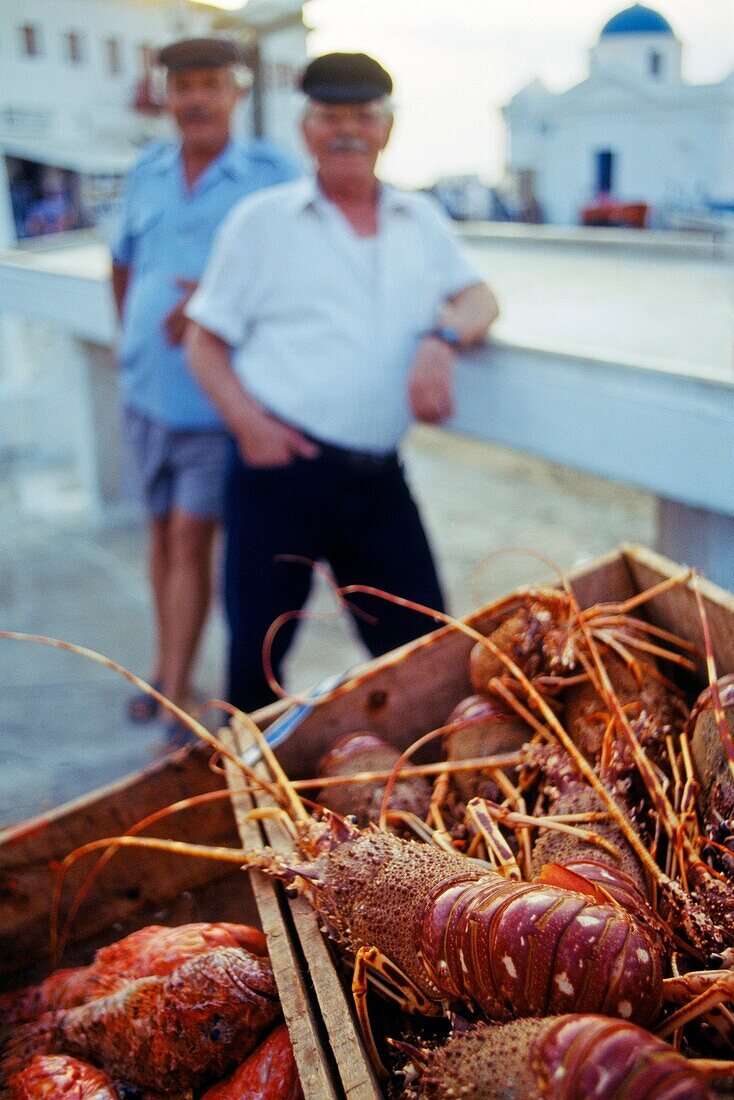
[455, 64]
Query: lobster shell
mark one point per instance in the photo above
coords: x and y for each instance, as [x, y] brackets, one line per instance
[571, 1057]
[61, 1077]
[360, 752]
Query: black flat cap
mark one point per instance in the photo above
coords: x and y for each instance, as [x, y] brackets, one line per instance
[200, 53]
[346, 78]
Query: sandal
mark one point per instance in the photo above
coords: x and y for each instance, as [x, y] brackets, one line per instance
[142, 707]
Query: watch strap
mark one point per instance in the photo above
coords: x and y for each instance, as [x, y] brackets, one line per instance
[449, 335]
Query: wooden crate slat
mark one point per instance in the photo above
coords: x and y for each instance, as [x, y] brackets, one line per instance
[609, 574]
[677, 610]
[284, 945]
[133, 879]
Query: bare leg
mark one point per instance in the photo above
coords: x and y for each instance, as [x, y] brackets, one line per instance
[186, 597]
[157, 573]
[141, 707]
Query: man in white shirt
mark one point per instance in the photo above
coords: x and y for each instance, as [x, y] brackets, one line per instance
[328, 318]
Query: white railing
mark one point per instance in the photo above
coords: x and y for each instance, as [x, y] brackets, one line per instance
[666, 433]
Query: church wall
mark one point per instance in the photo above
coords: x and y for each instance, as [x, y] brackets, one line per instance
[672, 143]
[662, 155]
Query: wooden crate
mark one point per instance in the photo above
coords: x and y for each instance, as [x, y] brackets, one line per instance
[399, 701]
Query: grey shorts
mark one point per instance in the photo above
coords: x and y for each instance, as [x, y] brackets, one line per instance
[181, 470]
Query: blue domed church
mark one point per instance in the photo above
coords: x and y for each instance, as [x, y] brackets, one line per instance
[634, 130]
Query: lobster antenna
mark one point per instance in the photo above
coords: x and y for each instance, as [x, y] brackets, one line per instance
[491, 557]
[580, 762]
[284, 785]
[405, 756]
[202, 851]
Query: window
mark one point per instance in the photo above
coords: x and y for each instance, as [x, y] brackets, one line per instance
[113, 55]
[656, 64]
[73, 47]
[30, 40]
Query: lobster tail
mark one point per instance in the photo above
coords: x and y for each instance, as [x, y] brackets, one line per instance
[611, 1058]
[533, 949]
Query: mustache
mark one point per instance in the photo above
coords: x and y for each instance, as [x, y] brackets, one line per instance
[348, 145]
[196, 114]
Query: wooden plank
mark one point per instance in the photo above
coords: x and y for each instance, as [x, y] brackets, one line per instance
[357, 1076]
[302, 1014]
[133, 880]
[677, 610]
[398, 697]
[603, 579]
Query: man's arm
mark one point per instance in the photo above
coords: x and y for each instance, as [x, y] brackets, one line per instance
[261, 438]
[469, 313]
[176, 322]
[120, 280]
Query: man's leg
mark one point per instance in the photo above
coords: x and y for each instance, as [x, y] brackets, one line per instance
[267, 513]
[380, 541]
[158, 544]
[193, 463]
[186, 596]
[145, 452]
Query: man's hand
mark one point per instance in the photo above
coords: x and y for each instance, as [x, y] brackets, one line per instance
[429, 385]
[264, 441]
[261, 438]
[175, 322]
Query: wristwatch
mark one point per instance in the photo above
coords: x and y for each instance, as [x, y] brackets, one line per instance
[449, 335]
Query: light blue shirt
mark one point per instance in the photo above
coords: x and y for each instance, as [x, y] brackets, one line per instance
[166, 234]
[325, 324]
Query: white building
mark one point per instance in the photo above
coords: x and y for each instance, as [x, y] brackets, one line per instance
[634, 128]
[72, 70]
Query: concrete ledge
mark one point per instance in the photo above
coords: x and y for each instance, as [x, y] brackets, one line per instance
[667, 434]
[692, 244]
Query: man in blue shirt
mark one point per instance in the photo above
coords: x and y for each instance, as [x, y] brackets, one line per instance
[176, 198]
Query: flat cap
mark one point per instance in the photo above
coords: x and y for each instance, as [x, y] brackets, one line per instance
[200, 53]
[345, 78]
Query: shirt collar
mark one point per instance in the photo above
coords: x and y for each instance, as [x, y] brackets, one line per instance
[307, 194]
[228, 160]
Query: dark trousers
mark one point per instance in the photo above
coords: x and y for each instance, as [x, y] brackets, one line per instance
[355, 513]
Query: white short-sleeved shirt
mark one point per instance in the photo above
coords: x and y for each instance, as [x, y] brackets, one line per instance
[325, 324]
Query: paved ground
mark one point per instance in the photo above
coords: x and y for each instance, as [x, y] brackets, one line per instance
[62, 724]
